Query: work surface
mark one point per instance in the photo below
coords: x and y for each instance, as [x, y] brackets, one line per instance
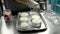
[9, 28]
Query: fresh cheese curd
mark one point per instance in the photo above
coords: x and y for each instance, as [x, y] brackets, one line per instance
[36, 22]
[35, 16]
[24, 25]
[24, 19]
[24, 14]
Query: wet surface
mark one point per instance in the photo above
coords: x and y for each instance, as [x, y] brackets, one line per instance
[11, 29]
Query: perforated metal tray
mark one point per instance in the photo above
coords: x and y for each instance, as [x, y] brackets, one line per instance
[31, 29]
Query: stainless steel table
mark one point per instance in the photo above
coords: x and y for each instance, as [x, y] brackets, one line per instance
[9, 28]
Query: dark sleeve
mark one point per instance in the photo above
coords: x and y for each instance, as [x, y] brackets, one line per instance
[0, 9]
[15, 6]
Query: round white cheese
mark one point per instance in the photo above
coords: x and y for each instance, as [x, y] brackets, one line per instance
[24, 19]
[36, 22]
[24, 25]
[35, 16]
[24, 14]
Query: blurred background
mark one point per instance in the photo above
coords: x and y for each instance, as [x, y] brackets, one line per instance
[49, 10]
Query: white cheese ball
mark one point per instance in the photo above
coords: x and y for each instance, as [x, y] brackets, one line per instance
[24, 25]
[35, 16]
[19, 14]
[24, 14]
[36, 22]
[24, 19]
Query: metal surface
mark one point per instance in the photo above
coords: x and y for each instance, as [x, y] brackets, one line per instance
[0, 25]
[3, 5]
[9, 28]
[42, 27]
[53, 28]
[12, 29]
[53, 17]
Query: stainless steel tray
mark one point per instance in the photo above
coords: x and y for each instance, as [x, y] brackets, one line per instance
[31, 29]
